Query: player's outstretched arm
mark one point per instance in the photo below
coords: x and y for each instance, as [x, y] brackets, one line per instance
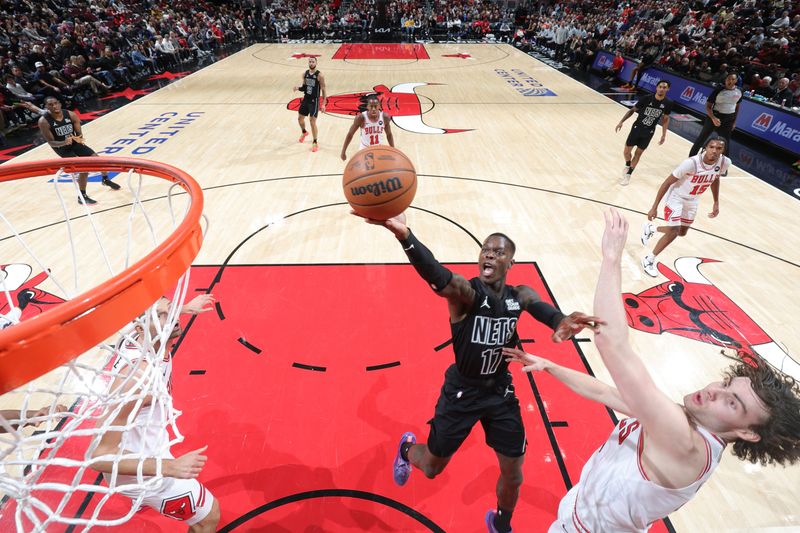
[387, 121]
[199, 304]
[564, 327]
[15, 414]
[458, 291]
[664, 421]
[587, 386]
[357, 123]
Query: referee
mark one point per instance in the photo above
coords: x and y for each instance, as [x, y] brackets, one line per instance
[721, 107]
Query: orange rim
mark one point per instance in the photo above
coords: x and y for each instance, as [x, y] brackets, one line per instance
[42, 343]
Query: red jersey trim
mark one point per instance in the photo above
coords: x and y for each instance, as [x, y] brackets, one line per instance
[577, 521]
[640, 450]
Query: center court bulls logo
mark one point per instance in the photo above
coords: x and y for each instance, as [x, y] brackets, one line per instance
[401, 101]
[690, 306]
[23, 291]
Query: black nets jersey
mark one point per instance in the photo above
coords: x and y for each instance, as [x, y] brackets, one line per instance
[311, 84]
[650, 112]
[490, 324]
[61, 129]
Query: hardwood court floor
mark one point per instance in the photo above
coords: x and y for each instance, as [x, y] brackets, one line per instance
[539, 160]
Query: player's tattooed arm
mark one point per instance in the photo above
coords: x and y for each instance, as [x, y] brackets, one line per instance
[459, 293]
[564, 326]
[460, 297]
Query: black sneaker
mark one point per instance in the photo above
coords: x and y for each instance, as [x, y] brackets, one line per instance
[110, 184]
[84, 199]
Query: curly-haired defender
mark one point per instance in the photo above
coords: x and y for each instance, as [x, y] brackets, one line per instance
[779, 434]
[657, 459]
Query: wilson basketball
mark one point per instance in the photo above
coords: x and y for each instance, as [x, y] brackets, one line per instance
[379, 182]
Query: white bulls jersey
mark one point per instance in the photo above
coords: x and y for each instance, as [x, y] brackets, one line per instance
[614, 493]
[372, 132]
[149, 435]
[694, 176]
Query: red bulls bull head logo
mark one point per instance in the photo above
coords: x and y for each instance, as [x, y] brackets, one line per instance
[690, 306]
[401, 102]
[23, 291]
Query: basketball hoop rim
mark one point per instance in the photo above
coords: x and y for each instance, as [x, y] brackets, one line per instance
[36, 346]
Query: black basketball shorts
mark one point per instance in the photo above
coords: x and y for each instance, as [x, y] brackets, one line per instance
[309, 107]
[461, 406]
[640, 137]
[74, 150]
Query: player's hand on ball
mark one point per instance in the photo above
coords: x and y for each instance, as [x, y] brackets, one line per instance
[396, 225]
[573, 324]
[187, 466]
[530, 363]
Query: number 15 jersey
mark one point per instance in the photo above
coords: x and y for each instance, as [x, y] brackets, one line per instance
[694, 176]
[490, 324]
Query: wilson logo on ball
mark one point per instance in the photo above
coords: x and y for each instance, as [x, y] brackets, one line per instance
[378, 188]
[379, 182]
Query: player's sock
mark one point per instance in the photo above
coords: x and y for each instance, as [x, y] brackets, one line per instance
[315, 141]
[304, 131]
[627, 163]
[404, 450]
[502, 520]
[630, 170]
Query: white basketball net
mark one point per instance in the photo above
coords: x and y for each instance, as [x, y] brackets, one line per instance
[47, 455]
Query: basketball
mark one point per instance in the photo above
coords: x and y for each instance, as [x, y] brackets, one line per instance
[379, 182]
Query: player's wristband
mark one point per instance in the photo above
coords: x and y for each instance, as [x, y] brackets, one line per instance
[546, 314]
[425, 264]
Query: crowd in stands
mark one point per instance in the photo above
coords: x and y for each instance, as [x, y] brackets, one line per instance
[703, 39]
[76, 49]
